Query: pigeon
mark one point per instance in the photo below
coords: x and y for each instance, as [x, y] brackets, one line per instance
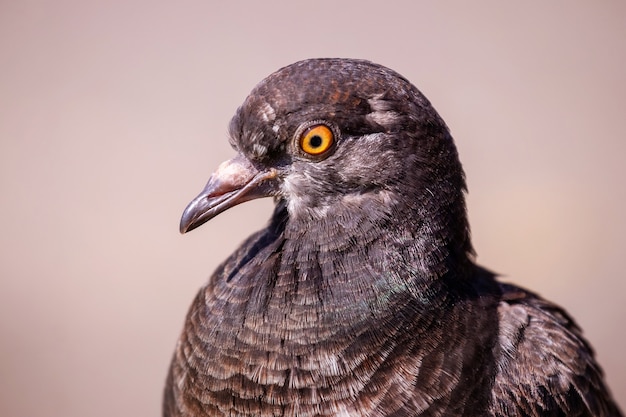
[362, 296]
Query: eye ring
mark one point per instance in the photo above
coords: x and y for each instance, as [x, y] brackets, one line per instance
[316, 139]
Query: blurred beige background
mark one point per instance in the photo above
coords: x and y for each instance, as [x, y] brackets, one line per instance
[113, 115]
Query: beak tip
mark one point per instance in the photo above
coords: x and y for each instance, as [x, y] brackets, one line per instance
[185, 227]
[187, 223]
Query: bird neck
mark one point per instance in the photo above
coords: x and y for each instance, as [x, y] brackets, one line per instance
[371, 248]
[314, 281]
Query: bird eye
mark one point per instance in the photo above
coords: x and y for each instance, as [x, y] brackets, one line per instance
[317, 139]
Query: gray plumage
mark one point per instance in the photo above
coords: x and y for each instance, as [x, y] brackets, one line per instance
[361, 297]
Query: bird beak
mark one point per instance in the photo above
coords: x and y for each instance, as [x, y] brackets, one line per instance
[234, 182]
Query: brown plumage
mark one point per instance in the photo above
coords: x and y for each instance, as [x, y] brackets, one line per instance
[361, 297]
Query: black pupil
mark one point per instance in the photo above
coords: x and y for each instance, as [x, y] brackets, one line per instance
[316, 141]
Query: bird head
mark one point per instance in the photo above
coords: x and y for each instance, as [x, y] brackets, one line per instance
[345, 139]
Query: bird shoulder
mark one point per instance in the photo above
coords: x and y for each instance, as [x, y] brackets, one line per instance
[545, 366]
